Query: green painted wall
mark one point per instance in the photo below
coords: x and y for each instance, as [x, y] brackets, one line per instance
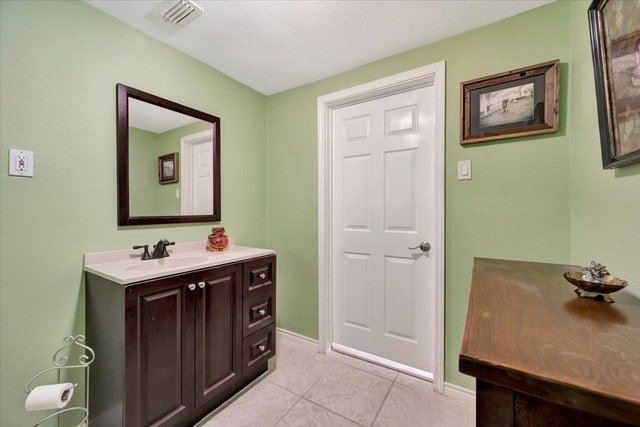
[516, 207]
[143, 171]
[59, 65]
[605, 204]
[531, 198]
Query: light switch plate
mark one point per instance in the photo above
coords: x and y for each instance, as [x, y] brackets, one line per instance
[20, 162]
[464, 170]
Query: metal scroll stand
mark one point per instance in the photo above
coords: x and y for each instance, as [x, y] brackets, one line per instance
[61, 362]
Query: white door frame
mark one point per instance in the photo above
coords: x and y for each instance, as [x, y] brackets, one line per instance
[430, 75]
[187, 144]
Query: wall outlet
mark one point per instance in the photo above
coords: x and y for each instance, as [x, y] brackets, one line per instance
[20, 162]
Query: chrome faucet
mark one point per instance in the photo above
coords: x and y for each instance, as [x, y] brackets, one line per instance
[159, 250]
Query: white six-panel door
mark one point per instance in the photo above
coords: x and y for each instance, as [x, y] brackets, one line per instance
[203, 178]
[383, 198]
[197, 174]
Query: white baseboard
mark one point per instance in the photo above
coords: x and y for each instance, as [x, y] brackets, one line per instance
[460, 394]
[301, 340]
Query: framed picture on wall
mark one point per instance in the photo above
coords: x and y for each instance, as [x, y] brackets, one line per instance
[510, 104]
[615, 46]
[168, 168]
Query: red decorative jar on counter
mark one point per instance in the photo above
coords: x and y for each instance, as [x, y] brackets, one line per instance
[217, 241]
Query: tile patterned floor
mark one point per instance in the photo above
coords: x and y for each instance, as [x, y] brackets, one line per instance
[312, 389]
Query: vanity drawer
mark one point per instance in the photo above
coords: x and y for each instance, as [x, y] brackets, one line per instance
[257, 348]
[259, 276]
[257, 312]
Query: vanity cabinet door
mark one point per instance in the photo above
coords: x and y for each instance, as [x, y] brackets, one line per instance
[159, 352]
[218, 333]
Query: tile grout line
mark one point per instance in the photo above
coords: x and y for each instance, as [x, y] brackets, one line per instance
[309, 389]
[324, 407]
[382, 404]
[302, 397]
[364, 370]
[341, 362]
[333, 412]
[288, 410]
[337, 360]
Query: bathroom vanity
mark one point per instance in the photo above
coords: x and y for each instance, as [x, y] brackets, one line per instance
[175, 337]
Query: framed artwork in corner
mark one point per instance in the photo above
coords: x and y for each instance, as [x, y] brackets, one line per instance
[614, 27]
[168, 168]
[510, 104]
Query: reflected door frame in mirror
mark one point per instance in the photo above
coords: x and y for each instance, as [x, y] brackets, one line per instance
[124, 93]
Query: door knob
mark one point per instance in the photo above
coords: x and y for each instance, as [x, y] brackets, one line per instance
[192, 286]
[201, 284]
[262, 312]
[424, 247]
[262, 276]
[261, 348]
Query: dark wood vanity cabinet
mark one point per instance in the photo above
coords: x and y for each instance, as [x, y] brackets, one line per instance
[158, 351]
[170, 350]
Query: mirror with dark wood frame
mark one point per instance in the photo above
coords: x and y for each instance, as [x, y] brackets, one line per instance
[168, 161]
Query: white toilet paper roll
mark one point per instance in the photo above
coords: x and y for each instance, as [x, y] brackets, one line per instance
[51, 396]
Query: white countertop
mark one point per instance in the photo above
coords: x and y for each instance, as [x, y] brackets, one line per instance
[125, 266]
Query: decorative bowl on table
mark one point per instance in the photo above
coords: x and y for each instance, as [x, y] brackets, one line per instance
[595, 287]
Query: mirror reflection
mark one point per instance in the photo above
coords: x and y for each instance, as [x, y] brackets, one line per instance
[168, 161]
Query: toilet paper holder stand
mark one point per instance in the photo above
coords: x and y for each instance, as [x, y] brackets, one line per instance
[61, 362]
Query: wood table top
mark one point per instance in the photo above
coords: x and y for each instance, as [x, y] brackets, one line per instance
[527, 329]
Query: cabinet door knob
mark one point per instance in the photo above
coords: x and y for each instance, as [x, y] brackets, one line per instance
[262, 312]
[201, 284]
[262, 276]
[261, 348]
[192, 286]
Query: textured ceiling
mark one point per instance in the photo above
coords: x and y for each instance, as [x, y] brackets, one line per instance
[273, 46]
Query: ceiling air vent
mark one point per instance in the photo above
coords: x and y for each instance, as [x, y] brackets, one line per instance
[181, 12]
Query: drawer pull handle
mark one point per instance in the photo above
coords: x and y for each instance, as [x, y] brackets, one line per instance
[192, 286]
[261, 348]
[262, 276]
[201, 284]
[262, 312]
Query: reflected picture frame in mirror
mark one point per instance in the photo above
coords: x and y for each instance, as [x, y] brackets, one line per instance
[129, 211]
[168, 169]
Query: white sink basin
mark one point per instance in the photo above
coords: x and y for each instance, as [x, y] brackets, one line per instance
[167, 263]
[124, 266]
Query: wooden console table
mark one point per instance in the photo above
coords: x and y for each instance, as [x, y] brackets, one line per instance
[542, 356]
